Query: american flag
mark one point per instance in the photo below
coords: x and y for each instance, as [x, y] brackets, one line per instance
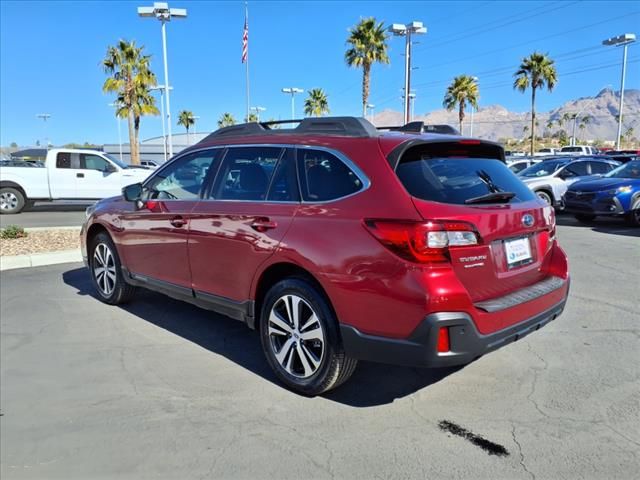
[245, 40]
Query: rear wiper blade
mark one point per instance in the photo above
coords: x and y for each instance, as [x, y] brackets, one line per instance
[491, 197]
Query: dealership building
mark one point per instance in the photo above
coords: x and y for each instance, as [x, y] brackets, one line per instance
[153, 149]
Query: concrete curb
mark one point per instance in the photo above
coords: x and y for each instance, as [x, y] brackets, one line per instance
[55, 229]
[40, 259]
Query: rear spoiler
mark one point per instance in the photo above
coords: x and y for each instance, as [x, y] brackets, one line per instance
[440, 145]
[421, 127]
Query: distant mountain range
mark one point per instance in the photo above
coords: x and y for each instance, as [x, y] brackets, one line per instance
[495, 122]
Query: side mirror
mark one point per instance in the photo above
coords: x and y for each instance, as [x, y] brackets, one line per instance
[132, 193]
[110, 168]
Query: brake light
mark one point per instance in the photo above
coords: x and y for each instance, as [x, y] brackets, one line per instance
[469, 142]
[443, 340]
[422, 242]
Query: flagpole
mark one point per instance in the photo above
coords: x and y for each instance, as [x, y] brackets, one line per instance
[246, 16]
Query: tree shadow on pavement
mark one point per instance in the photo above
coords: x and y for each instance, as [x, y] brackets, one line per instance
[371, 385]
[614, 226]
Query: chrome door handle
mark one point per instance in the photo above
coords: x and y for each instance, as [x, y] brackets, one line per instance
[178, 222]
[263, 224]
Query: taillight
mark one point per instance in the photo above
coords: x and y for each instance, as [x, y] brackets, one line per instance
[550, 215]
[423, 242]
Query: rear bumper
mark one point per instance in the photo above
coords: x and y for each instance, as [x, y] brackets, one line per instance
[420, 349]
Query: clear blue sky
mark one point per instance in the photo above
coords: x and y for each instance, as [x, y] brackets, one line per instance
[50, 55]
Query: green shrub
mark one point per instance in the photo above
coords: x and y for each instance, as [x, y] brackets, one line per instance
[13, 231]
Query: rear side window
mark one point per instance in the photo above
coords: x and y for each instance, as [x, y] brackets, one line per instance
[454, 175]
[246, 173]
[67, 160]
[63, 160]
[576, 169]
[324, 177]
[601, 167]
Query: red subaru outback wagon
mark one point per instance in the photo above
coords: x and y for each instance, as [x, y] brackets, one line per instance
[339, 243]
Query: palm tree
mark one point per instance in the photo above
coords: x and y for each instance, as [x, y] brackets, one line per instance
[226, 120]
[368, 45]
[251, 118]
[536, 71]
[316, 103]
[186, 119]
[584, 121]
[462, 90]
[130, 78]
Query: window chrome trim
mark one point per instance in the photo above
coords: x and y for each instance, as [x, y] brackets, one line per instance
[176, 158]
[366, 183]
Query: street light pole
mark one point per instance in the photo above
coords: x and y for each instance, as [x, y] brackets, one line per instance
[371, 106]
[257, 110]
[292, 91]
[195, 130]
[45, 117]
[162, 89]
[407, 30]
[162, 12]
[475, 79]
[412, 105]
[621, 41]
[115, 105]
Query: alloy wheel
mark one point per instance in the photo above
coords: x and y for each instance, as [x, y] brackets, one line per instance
[8, 201]
[104, 269]
[296, 336]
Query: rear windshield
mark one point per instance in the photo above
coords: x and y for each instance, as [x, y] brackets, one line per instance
[458, 176]
[571, 149]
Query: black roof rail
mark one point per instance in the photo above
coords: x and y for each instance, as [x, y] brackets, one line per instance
[340, 126]
[421, 127]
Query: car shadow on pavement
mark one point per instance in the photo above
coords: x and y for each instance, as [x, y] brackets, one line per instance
[614, 226]
[371, 385]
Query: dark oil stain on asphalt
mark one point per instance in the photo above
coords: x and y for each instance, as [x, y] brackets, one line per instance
[489, 447]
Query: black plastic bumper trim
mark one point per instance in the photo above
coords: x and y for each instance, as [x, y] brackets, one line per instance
[419, 350]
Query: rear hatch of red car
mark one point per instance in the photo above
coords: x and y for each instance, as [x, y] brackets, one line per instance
[478, 216]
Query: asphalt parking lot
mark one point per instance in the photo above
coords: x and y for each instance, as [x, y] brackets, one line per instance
[45, 214]
[160, 389]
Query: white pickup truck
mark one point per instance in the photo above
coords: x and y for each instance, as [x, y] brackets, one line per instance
[68, 174]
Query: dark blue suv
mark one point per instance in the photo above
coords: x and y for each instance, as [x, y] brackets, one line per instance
[615, 194]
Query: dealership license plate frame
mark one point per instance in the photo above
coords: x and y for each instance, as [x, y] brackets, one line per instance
[518, 252]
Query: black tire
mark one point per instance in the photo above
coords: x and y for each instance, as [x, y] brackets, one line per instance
[28, 205]
[111, 286]
[333, 367]
[584, 217]
[633, 217]
[12, 200]
[544, 195]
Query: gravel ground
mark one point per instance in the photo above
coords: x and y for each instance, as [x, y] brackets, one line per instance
[41, 241]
